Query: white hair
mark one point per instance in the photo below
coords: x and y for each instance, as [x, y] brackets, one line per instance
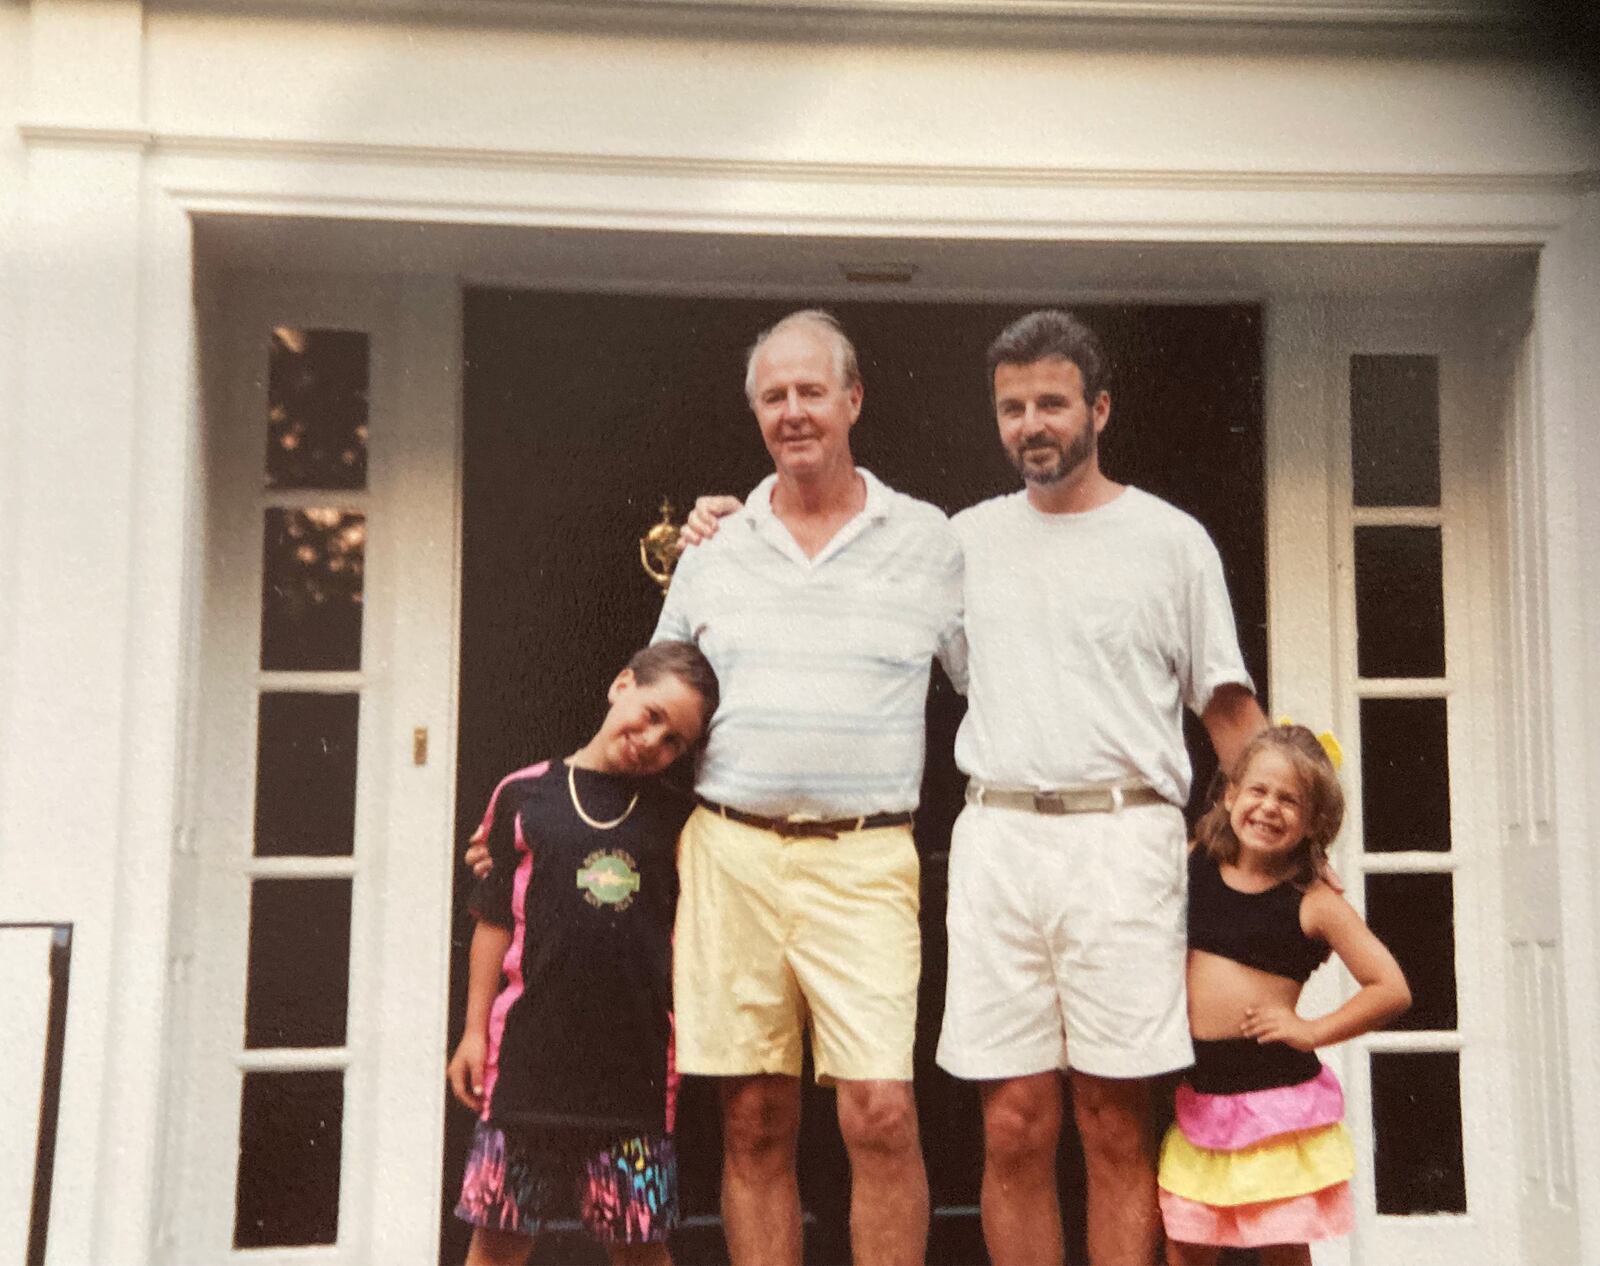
[845, 363]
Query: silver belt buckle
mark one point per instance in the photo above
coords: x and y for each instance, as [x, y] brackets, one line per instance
[1049, 802]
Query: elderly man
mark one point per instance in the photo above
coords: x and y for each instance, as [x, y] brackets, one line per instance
[821, 606]
[1095, 612]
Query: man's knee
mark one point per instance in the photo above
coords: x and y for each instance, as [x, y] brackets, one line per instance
[1113, 1118]
[878, 1117]
[1022, 1122]
[760, 1120]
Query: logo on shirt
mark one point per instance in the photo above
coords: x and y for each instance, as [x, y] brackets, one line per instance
[609, 877]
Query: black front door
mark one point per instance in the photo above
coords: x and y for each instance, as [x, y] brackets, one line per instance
[583, 411]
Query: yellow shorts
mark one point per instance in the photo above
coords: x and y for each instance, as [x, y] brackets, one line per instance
[776, 935]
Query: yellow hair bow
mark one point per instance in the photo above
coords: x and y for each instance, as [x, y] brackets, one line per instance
[1329, 744]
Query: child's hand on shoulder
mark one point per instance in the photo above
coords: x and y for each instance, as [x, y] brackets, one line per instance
[1274, 1022]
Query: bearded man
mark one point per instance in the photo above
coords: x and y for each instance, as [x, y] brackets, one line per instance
[1094, 613]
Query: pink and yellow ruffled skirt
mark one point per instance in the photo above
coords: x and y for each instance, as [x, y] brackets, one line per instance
[1268, 1166]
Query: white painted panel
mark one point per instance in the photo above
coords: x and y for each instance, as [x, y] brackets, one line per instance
[64, 720]
[87, 61]
[25, 986]
[1050, 102]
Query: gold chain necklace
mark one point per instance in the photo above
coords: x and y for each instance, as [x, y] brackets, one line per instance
[572, 790]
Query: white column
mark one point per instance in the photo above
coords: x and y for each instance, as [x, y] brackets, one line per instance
[66, 697]
[1568, 315]
[98, 468]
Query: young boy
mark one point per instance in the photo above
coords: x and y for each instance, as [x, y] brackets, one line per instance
[569, 1065]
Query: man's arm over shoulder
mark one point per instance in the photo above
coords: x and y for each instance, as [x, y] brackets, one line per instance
[676, 623]
[1232, 718]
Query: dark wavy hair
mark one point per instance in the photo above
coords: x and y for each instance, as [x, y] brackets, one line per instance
[684, 661]
[1319, 783]
[1052, 333]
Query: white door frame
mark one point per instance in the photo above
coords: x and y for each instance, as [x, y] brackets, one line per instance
[186, 177]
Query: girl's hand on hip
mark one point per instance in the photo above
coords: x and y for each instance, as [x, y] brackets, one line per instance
[1274, 1022]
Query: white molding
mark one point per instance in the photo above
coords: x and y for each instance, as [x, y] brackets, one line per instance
[698, 194]
[1071, 211]
[712, 168]
[1471, 16]
[1566, 376]
[1416, 1040]
[293, 1059]
[62, 134]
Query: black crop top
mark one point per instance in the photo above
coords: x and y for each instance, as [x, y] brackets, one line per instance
[1258, 929]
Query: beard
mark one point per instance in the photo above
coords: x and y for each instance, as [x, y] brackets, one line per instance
[1069, 458]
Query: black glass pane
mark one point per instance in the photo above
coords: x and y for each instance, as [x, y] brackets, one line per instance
[1399, 602]
[306, 774]
[1405, 775]
[317, 409]
[1416, 1124]
[1394, 430]
[290, 1132]
[298, 981]
[1415, 916]
[311, 570]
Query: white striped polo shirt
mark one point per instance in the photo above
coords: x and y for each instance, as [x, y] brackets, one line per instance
[823, 662]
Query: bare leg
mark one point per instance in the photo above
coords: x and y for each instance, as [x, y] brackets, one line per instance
[498, 1248]
[1286, 1255]
[1114, 1121]
[888, 1181]
[760, 1191]
[1179, 1254]
[639, 1255]
[1021, 1211]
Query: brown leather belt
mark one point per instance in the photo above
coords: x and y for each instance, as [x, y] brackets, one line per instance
[795, 828]
[1105, 799]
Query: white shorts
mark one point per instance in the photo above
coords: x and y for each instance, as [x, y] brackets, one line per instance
[1067, 944]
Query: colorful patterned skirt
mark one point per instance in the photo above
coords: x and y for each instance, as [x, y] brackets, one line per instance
[1258, 1153]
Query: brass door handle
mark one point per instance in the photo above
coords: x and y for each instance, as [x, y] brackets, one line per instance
[659, 548]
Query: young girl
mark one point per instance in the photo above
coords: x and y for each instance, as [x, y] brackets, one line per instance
[1259, 1155]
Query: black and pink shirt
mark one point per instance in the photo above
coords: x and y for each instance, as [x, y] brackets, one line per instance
[580, 1037]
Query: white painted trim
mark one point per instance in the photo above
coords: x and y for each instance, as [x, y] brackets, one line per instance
[783, 16]
[298, 1059]
[416, 869]
[712, 167]
[165, 547]
[1567, 316]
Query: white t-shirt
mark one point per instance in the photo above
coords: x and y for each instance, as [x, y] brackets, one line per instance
[823, 662]
[1087, 634]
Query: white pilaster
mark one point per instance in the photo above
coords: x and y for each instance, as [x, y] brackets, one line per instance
[87, 737]
[1568, 312]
